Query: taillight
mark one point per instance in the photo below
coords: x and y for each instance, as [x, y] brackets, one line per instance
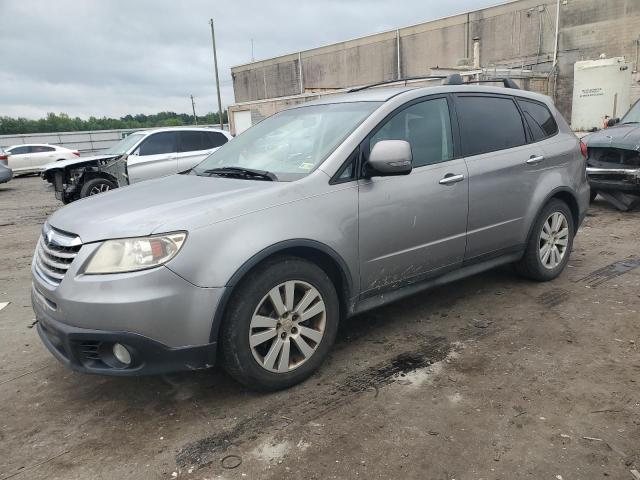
[583, 149]
[4, 159]
[76, 153]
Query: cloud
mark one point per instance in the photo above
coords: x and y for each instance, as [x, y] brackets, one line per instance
[114, 57]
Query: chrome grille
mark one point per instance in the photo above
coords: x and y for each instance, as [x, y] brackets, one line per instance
[54, 254]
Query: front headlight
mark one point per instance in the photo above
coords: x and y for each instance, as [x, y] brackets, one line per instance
[131, 254]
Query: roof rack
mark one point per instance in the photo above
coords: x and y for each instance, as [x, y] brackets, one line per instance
[398, 80]
[456, 79]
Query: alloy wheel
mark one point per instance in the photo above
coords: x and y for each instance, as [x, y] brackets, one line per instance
[99, 188]
[554, 240]
[288, 326]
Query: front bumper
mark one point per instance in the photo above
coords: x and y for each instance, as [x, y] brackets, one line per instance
[166, 321]
[91, 351]
[621, 179]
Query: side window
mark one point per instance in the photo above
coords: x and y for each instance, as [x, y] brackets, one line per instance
[539, 118]
[18, 150]
[164, 142]
[41, 149]
[488, 124]
[190, 141]
[348, 170]
[427, 128]
[214, 140]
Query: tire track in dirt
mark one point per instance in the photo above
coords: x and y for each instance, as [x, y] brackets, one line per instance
[314, 404]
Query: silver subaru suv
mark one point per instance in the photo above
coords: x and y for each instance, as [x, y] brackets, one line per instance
[315, 214]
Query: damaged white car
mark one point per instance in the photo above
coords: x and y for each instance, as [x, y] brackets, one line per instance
[613, 163]
[140, 156]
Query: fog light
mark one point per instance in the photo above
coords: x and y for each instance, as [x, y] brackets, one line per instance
[121, 353]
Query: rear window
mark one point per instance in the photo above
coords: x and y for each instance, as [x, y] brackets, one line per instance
[539, 119]
[488, 124]
[190, 141]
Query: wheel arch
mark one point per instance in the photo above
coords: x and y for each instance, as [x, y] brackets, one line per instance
[316, 252]
[567, 196]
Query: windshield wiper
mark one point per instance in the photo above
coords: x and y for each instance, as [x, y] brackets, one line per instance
[239, 172]
[627, 123]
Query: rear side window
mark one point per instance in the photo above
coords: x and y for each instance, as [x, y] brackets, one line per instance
[18, 150]
[190, 141]
[539, 119]
[214, 140]
[427, 128]
[158, 143]
[488, 124]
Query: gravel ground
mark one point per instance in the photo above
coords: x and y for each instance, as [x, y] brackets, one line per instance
[492, 377]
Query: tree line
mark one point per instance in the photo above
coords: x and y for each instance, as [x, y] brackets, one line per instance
[62, 122]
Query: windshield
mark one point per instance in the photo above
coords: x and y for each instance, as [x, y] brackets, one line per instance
[291, 143]
[123, 145]
[633, 115]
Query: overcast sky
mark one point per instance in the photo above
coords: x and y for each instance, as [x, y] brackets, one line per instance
[114, 57]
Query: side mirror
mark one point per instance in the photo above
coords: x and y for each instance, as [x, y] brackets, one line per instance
[390, 157]
[612, 121]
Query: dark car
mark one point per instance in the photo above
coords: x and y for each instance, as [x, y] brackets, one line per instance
[613, 163]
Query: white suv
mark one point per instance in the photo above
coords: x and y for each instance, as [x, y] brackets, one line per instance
[30, 158]
[140, 156]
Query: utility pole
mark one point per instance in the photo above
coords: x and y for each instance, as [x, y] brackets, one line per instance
[215, 64]
[193, 106]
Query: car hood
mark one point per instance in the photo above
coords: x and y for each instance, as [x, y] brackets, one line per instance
[177, 202]
[620, 136]
[76, 161]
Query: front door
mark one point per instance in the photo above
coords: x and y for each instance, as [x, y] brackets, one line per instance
[414, 226]
[155, 157]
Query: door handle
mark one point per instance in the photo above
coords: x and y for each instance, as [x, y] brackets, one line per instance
[450, 179]
[535, 159]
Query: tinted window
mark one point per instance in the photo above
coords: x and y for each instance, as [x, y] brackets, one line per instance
[19, 150]
[426, 126]
[191, 141]
[539, 118]
[158, 143]
[214, 140]
[488, 124]
[41, 149]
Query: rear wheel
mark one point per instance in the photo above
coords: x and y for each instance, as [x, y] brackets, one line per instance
[550, 243]
[280, 324]
[96, 186]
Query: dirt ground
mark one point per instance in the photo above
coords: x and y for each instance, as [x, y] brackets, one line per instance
[492, 377]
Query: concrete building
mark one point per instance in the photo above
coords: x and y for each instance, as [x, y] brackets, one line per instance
[525, 35]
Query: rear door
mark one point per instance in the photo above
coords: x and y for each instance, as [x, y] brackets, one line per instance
[155, 157]
[503, 172]
[414, 226]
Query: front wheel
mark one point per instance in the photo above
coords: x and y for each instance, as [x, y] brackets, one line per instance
[280, 324]
[96, 186]
[550, 243]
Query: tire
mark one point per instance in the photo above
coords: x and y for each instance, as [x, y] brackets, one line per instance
[96, 186]
[593, 195]
[251, 311]
[531, 265]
